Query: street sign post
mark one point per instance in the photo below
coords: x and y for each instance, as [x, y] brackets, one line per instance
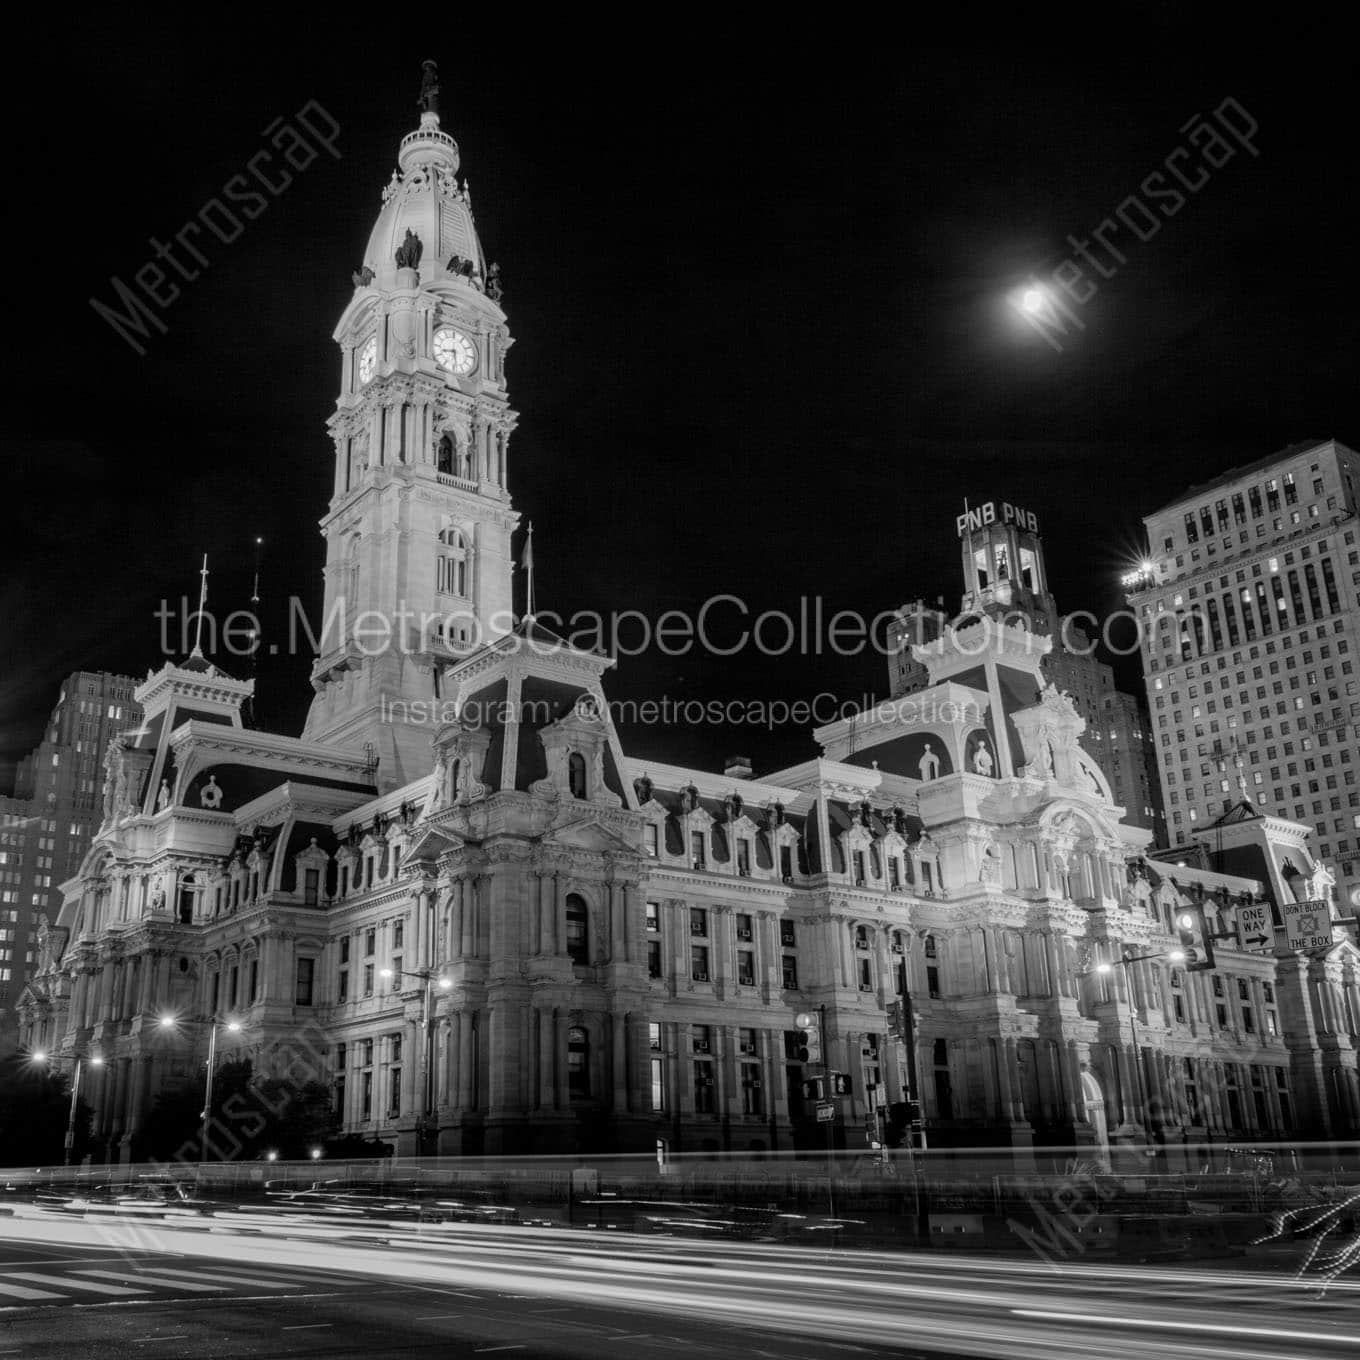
[1254, 928]
[826, 1112]
[1308, 924]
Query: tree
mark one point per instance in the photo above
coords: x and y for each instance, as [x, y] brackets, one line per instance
[35, 1105]
[250, 1116]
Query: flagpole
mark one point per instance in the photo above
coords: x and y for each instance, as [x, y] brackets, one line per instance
[527, 562]
[202, 601]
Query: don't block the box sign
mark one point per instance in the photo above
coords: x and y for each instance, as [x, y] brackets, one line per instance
[997, 512]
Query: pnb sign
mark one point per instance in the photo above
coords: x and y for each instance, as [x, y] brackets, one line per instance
[997, 512]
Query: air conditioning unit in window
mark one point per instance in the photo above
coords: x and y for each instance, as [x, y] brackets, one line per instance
[898, 947]
[701, 1045]
[788, 878]
[748, 1048]
[745, 873]
[698, 864]
[743, 933]
[756, 1084]
[859, 880]
[700, 977]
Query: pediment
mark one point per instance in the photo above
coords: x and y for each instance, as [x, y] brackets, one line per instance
[590, 834]
[430, 843]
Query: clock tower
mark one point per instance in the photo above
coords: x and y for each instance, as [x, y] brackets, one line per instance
[418, 531]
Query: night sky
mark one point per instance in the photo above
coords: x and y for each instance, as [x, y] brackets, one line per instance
[759, 300]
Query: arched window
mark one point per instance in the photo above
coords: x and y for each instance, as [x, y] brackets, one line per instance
[452, 577]
[576, 774]
[578, 929]
[578, 1063]
[447, 453]
[188, 893]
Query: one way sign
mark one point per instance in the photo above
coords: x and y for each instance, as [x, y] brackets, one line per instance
[1254, 930]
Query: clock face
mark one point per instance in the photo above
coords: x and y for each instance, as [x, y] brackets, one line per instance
[368, 358]
[454, 351]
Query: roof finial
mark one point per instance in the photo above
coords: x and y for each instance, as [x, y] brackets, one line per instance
[526, 561]
[202, 602]
[429, 89]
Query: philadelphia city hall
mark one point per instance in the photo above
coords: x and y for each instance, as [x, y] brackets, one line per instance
[507, 934]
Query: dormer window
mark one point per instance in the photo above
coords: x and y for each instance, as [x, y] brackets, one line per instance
[744, 857]
[576, 774]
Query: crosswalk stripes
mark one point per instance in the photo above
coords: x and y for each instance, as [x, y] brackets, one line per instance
[148, 1277]
[112, 1291]
[137, 1283]
[17, 1291]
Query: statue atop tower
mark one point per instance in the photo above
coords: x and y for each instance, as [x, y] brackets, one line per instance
[429, 88]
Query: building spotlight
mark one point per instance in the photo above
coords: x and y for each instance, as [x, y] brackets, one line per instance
[384, 972]
[1104, 968]
[1177, 956]
[95, 1060]
[445, 983]
[1032, 300]
[38, 1057]
[167, 1022]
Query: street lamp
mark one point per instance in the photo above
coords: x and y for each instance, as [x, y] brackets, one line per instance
[172, 1022]
[94, 1060]
[1126, 962]
[431, 978]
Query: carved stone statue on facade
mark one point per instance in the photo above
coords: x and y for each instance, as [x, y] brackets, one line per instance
[409, 251]
[362, 276]
[493, 283]
[163, 797]
[983, 763]
[990, 867]
[930, 765]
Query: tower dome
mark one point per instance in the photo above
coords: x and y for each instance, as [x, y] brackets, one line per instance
[425, 198]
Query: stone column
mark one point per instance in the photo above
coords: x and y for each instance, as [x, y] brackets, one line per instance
[546, 1059]
[1073, 1094]
[466, 1094]
[722, 936]
[469, 914]
[1128, 1085]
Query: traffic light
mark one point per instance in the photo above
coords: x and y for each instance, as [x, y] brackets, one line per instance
[840, 1083]
[895, 1027]
[810, 1046]
[1192, 930]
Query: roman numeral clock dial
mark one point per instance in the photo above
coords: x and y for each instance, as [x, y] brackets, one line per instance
[454, 351]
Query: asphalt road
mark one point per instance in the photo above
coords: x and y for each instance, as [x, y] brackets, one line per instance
[256, 1286]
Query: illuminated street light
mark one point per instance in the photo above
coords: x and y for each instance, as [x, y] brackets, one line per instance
[271, 1156]
[316, 1154]
[169, 1021]
[431, 979]
[1126, 962]
[94, 1060]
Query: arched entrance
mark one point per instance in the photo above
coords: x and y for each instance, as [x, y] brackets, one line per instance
[1094, 1099]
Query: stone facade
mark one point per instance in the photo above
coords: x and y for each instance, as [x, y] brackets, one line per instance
[501, 933]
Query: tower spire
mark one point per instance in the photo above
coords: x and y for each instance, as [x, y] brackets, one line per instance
[202, 602]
